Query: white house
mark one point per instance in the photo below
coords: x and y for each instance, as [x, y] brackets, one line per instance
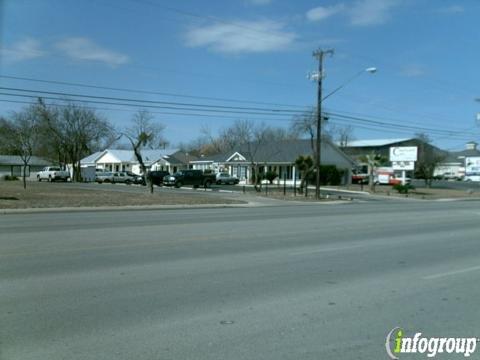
[125, 160]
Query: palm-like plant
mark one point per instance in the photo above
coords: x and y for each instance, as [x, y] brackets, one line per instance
[305, 165]
[373, 161]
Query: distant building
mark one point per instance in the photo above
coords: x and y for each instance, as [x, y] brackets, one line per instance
[277, 156]
[12, 165]
[456, 162]
[170, 160]
[359, 148]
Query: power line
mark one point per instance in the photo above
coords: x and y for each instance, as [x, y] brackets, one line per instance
[354, 121]
[153, 112]
[55, 82]
[267, 110]
[147, 106]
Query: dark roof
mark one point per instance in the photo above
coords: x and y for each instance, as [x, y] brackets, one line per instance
[285, 151]
[457, 156]
[215, 158]
[180, 158]
[17, 160]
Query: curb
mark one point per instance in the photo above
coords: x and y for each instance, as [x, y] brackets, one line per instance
[124, 208]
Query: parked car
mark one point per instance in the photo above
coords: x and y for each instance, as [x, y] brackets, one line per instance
[104, 177]
[51, 173]
[194, 178]
[450, 176]
[137, 179]
[158, 176]
[122, 177]
[226, 178]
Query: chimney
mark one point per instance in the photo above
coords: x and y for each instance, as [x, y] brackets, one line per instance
[471, 145]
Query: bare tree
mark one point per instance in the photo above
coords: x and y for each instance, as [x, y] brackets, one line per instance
[428, 159]
[144, 133]
[343, 135]
[306, 124]
[20, 136]
[75, 131]
[250, 138]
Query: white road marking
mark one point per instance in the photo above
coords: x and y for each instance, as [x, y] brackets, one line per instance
[451, 273]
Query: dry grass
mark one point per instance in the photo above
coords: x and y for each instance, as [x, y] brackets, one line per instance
[57, 195]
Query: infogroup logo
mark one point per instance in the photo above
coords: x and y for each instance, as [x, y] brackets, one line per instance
[397, 343]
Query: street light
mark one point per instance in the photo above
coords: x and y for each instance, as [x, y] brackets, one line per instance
[318, 77]
[370, 70]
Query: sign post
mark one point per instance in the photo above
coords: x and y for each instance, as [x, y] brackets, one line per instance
[403, 158]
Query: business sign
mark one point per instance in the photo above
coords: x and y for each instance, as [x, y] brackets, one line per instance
[403, 153]
[403, 165]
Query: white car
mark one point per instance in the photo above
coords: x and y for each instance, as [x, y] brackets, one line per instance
[52, 173]
[226, 178]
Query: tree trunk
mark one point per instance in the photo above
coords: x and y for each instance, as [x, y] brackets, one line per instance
[303, 182]
[24, 176]
[371, 180]
[149, 181]
[257, 179]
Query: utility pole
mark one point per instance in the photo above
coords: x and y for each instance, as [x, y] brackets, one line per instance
[319, 54]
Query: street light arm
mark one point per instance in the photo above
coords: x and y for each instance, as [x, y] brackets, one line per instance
[369, 70]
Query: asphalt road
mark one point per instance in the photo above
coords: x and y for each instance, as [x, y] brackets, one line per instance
[284, 282]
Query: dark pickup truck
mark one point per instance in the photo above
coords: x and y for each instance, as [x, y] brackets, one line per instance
[193, 178]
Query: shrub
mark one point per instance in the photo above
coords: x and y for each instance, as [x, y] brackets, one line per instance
[403, 189]
[270, 176]
[329, 175]
[260, 176]
[10, 178]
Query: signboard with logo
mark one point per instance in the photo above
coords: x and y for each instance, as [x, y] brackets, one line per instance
[403, 153]
[403, 165]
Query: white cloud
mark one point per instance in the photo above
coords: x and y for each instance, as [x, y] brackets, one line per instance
[371, 12]
[322, 12]
[452, 9]
[84, 49]
[241, 37]
[259, 2]
[25, 49]
[413, 70]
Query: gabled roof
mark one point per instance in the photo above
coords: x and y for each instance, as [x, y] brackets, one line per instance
[128, 156]
[147, 154]
[180, 157]
[92, 158]
[376, 142]
[17, 160]
[285, 151]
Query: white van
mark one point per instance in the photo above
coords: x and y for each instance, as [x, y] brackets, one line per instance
[473, 176]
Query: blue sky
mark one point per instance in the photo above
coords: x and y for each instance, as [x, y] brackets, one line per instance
[426, 53]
